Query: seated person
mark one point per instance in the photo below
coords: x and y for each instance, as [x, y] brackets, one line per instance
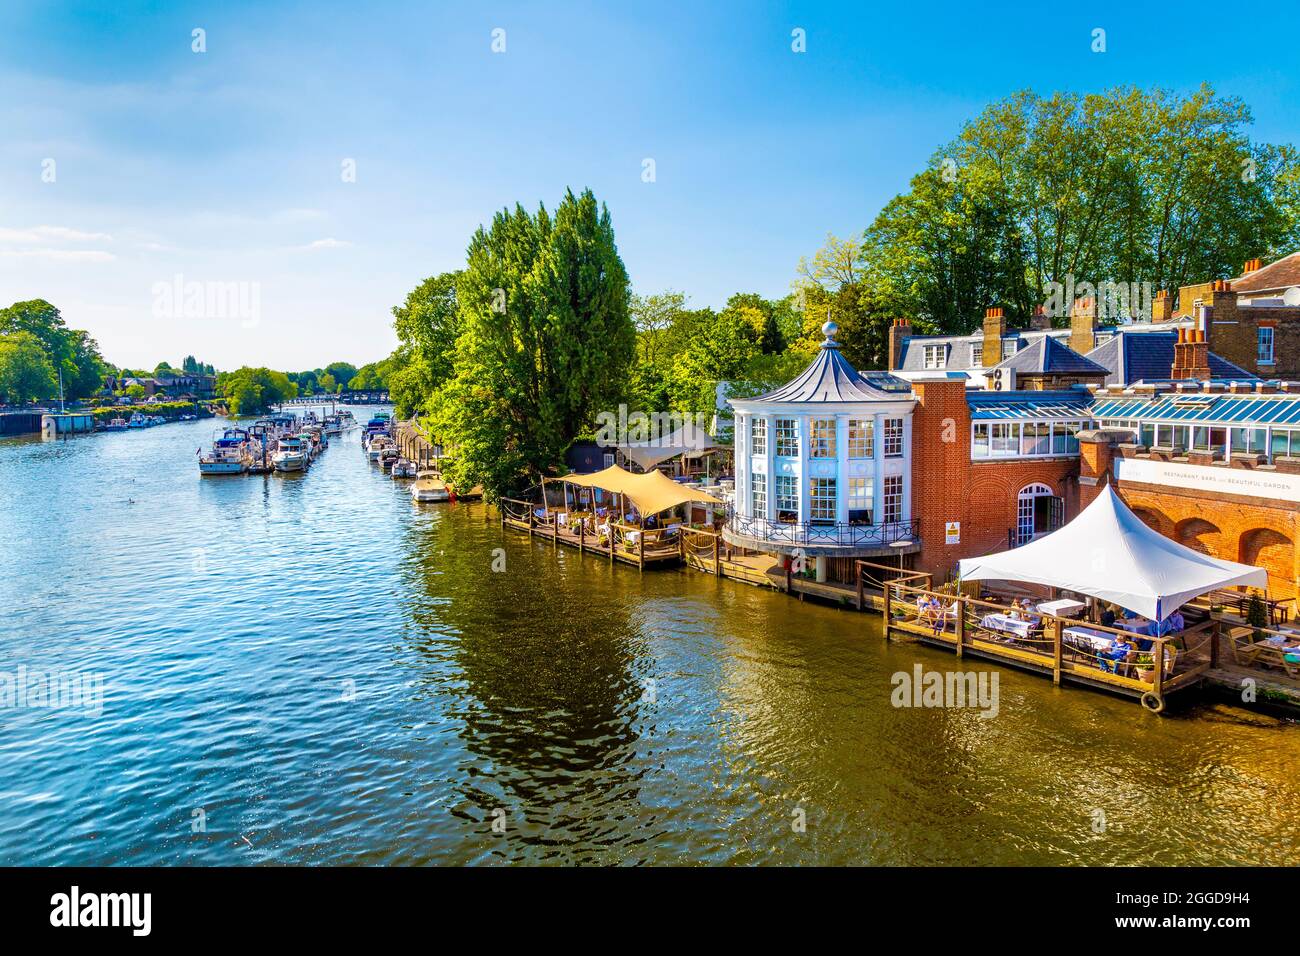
[1107, 617]
[1177, 622]
[1118, 652]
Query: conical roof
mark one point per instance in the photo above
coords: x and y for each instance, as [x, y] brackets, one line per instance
[830, 378]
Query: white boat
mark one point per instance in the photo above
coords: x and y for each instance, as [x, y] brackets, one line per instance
[228, 455]
[404, 468]
[116, 425]
[138, 421]
[429, 486]
[389, 456]
[375, 447]
[290, 456]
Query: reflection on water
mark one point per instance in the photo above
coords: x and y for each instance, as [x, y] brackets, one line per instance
[318, 670]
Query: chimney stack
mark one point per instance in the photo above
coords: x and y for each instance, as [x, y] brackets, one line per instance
[900, 330]
[1083, 326]
[1191, 356]
[1162, 309]
[1040, 321]
[995, 327]
[1252, 265]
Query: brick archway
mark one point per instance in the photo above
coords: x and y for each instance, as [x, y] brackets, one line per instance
[1270, 550]
[1200, 534]
[1155, 520]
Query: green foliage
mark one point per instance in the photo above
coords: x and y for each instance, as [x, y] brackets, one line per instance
[25, 370]
[428, 325]
[164, 409]
[1256, 615]
[342, 373]
[545, 342]
[252, 391]
[135, 392]
[1127, 185]
[71, 351]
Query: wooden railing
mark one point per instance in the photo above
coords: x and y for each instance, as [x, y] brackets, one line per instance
[963, 623]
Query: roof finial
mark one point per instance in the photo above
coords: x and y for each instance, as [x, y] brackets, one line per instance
[830, 329]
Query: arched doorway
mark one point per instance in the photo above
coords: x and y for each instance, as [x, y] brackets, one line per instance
[1038, 511]
[1200, 535]
[1271, 550]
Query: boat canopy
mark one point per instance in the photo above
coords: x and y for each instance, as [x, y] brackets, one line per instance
[652, 492]
[1107, 552]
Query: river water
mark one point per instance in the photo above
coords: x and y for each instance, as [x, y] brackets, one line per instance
[313, 669]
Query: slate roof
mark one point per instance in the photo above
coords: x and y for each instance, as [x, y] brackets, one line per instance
[913, 350]
[1149, 357]
[1049, 356]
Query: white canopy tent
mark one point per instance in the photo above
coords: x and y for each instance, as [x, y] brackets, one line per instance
[1107, 552]
[687, 440]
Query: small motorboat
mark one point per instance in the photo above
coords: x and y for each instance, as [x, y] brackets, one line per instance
[404, 468]
[429, 487]
[290, 456]
[229, 454]
[389, 456]
[116, 425]
[138, 421]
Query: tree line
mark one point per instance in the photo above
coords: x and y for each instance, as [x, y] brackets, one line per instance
[509, 358]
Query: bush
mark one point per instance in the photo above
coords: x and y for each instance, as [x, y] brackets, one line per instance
[170, 410]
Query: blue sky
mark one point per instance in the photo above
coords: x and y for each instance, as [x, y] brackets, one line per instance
[226, 166]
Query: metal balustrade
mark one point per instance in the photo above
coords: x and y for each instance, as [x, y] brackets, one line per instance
[825, 534]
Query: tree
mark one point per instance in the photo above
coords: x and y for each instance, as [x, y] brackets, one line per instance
[135, 392]
[1126, 186]
[252, 391]
[327, 384]
[545, 342]
[25, 370]
[428, 325]
[342, 373]
[719, 350]
[71, 351]
[190, 365]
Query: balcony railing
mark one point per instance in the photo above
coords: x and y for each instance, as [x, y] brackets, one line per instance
[825, 534]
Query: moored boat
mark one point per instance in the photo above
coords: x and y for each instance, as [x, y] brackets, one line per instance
[429, 487]
[228, 456]
[290, 456]
[116, 425]
[404, 468]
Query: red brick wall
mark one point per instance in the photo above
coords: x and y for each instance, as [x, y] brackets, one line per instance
[948, 486]
[1247, 530]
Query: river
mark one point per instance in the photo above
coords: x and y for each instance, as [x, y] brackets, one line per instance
[313, 669]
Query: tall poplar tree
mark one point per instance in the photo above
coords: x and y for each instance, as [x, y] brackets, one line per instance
[545, 342]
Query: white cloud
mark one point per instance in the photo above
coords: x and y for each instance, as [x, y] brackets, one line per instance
[330, 243]
[59, 255]
[52, 233]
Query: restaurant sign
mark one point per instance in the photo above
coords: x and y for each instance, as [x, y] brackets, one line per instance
[1210, 479]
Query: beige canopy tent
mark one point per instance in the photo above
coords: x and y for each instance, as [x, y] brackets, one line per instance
[687, 440]
[651, 492]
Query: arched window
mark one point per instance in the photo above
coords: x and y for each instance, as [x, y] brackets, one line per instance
[1038, 511]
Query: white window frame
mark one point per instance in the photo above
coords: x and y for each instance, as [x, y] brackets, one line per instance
[821, 505]
[787, 437]
[892, 499]
[862, 438]
[892, 438]
[1266, 359]
[786, 490]
[935, 356]
[758, 436]
[822, 438]
[758, 494]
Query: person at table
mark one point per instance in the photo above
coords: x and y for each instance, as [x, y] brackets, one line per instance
[1118, 652]
[922, 608]
[1107, 618]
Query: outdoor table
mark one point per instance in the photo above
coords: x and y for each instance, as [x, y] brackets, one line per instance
[633, 537]
[1133, 625]
[1003, 622]
[1085, 638]
[1061, 608]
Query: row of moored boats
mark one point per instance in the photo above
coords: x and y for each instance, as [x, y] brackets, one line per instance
[139, 421]
[381, 449]
[280, 443]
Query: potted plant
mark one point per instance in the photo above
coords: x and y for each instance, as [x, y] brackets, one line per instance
[1145, 666]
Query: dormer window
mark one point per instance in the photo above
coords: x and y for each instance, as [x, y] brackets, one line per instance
[936, 356]
[1009, 348]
